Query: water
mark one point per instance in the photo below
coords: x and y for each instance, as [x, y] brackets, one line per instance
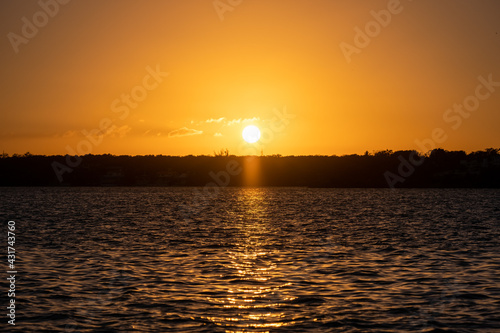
[254, 260]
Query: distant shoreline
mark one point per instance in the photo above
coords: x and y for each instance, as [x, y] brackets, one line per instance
[386, 169]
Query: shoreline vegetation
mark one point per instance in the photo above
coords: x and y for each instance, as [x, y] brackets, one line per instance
[383, 169]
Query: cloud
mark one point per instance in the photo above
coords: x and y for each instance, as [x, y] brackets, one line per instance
[241, 120]
[211, 120]
[184, 131]
[234, 121]
[120, 132]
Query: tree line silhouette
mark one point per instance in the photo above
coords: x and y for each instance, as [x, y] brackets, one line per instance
[437, 168]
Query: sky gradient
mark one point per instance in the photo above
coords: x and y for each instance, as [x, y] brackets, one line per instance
[185, 77]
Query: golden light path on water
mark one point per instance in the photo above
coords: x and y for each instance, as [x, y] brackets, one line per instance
[258, 291]
[257, 260]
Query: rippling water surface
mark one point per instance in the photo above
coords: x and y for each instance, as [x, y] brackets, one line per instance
[255, 260]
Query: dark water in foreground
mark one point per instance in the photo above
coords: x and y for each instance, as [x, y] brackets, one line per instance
[254, 260]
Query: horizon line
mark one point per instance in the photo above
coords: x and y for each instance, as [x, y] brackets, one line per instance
[215, 154]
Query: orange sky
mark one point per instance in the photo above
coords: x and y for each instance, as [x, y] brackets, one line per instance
[298, 69]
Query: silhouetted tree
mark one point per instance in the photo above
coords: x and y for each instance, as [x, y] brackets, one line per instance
[440, 168]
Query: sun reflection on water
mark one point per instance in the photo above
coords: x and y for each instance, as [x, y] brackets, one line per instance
[257, 288]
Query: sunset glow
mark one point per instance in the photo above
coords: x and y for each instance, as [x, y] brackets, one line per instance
[184, 77]
[250, 165]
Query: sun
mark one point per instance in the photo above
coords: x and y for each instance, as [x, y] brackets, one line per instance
[251, 134]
